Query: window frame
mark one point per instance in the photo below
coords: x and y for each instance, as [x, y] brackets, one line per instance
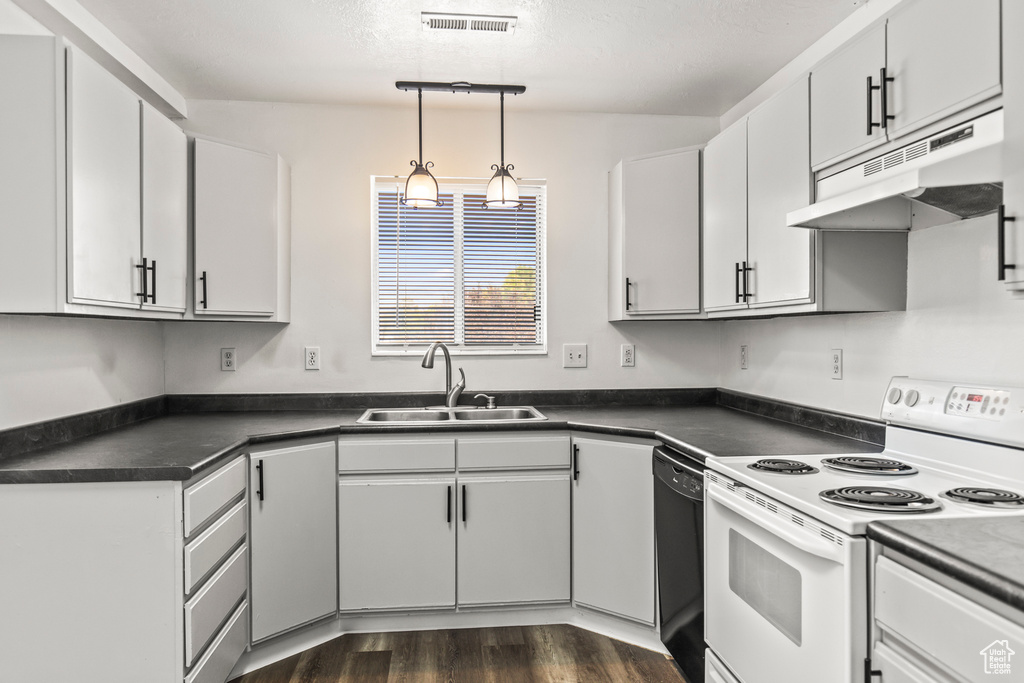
[464, 186]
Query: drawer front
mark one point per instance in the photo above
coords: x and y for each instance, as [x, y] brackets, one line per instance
[225, 650]
[405, 454]
[208, 608]
[209, 548]
[950, 629]
[212, 493]
[513, 452]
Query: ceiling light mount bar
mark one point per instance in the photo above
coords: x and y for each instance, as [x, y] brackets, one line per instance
[460, 86]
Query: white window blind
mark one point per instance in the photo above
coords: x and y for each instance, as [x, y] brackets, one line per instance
[459, 273]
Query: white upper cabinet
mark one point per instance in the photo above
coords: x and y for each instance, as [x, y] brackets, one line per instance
[164, 210]
[938, 57]
[104, 210]
[654, 237]
[1012, 247]
[943, 55]
[94, 190]
[237, 233]
[725, 218]
[780, 258]
[843, 105]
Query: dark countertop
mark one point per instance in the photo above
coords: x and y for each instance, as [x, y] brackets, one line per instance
[995, 544]
[181, 446]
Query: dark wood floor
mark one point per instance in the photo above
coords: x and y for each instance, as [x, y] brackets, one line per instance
[528, 654]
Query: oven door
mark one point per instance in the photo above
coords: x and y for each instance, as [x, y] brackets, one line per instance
[785, 597]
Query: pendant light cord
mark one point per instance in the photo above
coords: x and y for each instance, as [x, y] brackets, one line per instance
[503, 129]
[420, 99]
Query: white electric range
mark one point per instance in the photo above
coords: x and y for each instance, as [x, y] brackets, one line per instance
[785, 554]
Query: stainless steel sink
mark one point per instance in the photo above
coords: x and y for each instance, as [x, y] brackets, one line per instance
[436, 416]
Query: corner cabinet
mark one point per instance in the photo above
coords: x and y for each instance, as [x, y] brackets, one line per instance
[293, 535]
[242, 234]
[757, 171]
[94, 196]
[126, 581]
[654, 237]
[613, 527]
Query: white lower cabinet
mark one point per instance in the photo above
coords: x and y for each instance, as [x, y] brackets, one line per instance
[418, 530]
[514, 539]
[95, 592]
[613, 527]
[293, 537]
[396, 542]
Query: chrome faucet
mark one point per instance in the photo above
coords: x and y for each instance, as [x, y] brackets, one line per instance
[451, 394]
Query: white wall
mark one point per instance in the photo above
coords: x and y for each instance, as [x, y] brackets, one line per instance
[333, 150]
[960, 324]
[51, 367]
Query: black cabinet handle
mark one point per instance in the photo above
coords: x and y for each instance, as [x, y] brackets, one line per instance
[871, 124]
[463, 502]
[448, 505]
[152, 291]
[746, 292]
[144, 280]
[628, 304]
[259, 487]
[738, 295]
[1001, 222]
[882, 81]
[575, 462]
[203, 280]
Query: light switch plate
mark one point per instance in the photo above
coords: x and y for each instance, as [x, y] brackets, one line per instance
[574, 355]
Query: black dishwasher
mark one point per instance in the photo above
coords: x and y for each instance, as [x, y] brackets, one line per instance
[679, 526]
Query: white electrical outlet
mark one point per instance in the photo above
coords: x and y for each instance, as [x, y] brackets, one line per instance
[312, 356]
[744, 356]
[227, 360]
[574, 355]
[627, 357]
[836, 356]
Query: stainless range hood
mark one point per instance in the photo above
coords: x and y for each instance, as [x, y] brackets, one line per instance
[946, 177]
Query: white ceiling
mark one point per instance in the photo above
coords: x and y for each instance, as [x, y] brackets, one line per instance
[681, 57]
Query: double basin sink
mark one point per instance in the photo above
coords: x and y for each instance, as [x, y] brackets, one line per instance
[460, 414]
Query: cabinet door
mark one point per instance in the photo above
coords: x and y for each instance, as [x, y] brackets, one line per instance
[944, 55]
[235, 231]
[779, 181]
[840, 100]
[661, 233]
[397, 543]
[293, 532]
[104, 207]
[1013, 146]
[514, 540]
[725, 217]
[164, 209]
[613, 528]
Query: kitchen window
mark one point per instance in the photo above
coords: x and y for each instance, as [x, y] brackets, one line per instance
[460, 273]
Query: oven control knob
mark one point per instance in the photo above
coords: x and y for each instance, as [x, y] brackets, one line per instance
[894, 395]
[912, 397]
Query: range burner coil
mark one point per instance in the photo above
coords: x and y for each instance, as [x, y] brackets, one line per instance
[864, 465]
[880, 498]
[985, 497]
[782, 466]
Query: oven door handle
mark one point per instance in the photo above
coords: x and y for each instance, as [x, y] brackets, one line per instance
[765, 520]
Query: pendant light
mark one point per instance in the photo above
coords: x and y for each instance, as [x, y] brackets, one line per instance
[502, 191]
[421, 187]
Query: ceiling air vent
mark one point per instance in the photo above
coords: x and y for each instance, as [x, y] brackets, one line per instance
[483, 23]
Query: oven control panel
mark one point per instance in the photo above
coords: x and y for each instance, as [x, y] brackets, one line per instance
[988, 413]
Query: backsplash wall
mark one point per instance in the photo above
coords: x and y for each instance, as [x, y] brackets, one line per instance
[333, 151]
[960, 324]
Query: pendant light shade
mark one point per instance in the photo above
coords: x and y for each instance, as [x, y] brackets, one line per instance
[502, 191]
[421, 187]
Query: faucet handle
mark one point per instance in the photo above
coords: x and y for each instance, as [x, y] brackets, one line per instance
[453, 395]
[490, 400]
